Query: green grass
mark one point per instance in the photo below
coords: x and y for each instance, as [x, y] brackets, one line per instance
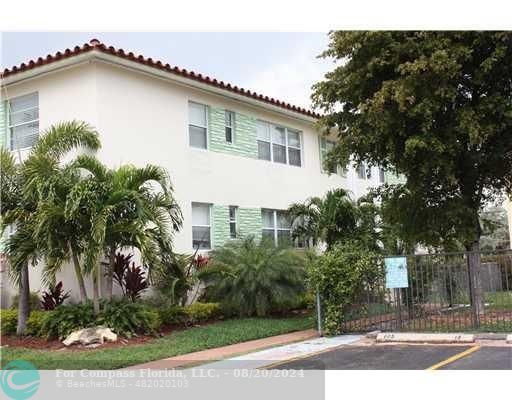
[181, 342]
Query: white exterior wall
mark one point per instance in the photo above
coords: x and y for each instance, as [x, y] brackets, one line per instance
[144, 119]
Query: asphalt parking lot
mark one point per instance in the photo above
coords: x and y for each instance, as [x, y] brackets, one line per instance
[406, 357]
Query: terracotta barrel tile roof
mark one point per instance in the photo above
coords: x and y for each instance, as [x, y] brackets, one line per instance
[96, 45]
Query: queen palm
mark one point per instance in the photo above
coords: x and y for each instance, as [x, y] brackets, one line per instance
[24, 185]
[128, 207]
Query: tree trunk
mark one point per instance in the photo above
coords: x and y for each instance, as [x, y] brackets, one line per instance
[110, 273]
[475, 282]
[79, 276]
[96, 290]
[23, 301]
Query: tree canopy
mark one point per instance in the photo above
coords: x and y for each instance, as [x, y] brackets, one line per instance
[434, 106]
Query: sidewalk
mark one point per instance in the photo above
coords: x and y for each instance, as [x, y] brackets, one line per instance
[220, 353]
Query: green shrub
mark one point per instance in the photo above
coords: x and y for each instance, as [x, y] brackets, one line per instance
[9, 320]
[173, 315]
[65, 319]
[35, 322]
[341, 274]
[127, 318]
[198, 312]
[254, 277]
[34, 301]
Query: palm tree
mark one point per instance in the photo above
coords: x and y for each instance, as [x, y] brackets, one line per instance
[329, 219]
[127, 207]
[253, 276]
[24, 186]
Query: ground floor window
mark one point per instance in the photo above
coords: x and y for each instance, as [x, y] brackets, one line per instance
[201, 226]
[233, 211]
[276, 227]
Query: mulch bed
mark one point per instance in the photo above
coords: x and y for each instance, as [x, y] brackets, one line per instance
[31, 342]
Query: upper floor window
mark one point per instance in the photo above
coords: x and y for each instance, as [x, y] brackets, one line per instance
[198, 125]
[279, 144]
[364, 171]
[23, 122]
[201, 226]
[325, 147]
[382, 175]
[276, 227]
[229, 125]
[233, 211]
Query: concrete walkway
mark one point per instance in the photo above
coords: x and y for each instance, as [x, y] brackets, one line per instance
[275, 355]
[221, 353]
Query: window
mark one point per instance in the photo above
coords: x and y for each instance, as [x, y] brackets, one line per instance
[229, 125]
[23, 121]
[201, 226]
[197, 125]
[364, 171]
[276, 227]
[325, 147]
[279, 144]
[382, 175]
[233, 211]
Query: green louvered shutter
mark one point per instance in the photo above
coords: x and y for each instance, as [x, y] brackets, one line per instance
[3, 123]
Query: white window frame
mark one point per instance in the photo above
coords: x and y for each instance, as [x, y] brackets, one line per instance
[275, 228]
[10, 126]
[233, 220]
[202, 226]
[270, 125]
[366, 169]
[232, 127]
[206, 107]
[341, 171]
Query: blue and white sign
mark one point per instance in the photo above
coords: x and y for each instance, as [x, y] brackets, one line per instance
[396, 272]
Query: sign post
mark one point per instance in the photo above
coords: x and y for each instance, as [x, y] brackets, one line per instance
[396, 278]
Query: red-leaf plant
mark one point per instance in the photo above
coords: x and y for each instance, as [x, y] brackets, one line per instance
[54, 296]
[131, 280]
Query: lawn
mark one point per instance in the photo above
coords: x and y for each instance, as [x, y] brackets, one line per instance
[180, 342]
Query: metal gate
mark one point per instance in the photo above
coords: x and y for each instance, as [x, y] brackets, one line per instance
[437, 297]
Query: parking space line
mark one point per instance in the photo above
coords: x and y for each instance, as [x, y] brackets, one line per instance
[301, 357]
[454, 358]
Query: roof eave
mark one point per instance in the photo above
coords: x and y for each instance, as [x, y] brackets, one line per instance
[97, 55]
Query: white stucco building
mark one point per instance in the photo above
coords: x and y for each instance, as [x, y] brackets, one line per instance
[236, 158]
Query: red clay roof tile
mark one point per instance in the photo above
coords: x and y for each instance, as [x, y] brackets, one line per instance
[95, 44]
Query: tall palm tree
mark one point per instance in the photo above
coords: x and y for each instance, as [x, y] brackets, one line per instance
[25, 184]
[328, 219]
[127, 207]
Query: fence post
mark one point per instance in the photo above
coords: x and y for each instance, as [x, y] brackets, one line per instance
[398, 301]
[319, 313]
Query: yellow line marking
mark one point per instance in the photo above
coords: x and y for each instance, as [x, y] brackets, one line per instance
[454, 358]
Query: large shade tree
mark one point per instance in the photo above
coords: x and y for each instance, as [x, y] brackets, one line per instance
[435, 106]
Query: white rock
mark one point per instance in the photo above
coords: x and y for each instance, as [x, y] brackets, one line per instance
[87, 336]
[509, 339]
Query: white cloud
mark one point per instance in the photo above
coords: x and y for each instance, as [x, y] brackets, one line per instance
[292, 79]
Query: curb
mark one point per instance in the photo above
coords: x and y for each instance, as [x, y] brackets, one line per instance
[426, 338]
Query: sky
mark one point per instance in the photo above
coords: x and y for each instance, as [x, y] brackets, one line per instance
[281, 65]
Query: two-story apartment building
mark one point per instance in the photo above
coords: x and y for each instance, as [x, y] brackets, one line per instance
[237, 159]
